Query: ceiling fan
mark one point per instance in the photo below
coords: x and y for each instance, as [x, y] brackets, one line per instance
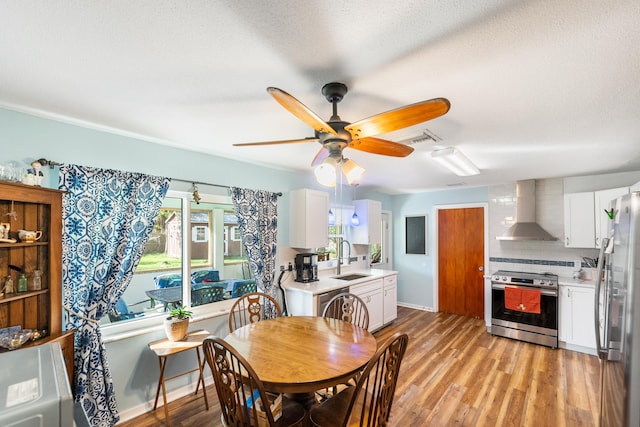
[336, 134]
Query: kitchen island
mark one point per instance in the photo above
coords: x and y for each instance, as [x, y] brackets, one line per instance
[376, 287]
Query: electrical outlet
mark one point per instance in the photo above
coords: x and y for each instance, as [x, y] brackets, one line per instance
[282, 268]
[364, 257]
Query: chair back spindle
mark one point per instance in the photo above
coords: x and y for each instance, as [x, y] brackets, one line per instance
[251, 308]
[348, 307]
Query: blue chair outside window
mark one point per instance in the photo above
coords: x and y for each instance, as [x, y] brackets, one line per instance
[242, 287]
[121, 311]
[168, 280]
[203, 276]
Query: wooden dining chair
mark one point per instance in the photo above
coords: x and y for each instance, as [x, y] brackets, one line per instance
[253, 307]
[348, 307]
[241, 392]
[368, 403]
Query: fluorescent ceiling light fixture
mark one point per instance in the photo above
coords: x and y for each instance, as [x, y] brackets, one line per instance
[326, 172]
[455, 161]
[351, 170]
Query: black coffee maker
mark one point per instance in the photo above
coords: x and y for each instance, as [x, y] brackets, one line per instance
[306, 268]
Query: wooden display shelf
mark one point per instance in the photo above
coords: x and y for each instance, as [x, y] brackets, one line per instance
[23, 245]
[21, 295]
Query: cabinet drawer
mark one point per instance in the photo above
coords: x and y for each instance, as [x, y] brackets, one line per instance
[390, 280]
[367, 287]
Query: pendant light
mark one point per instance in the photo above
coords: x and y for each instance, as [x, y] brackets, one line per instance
[355, 220]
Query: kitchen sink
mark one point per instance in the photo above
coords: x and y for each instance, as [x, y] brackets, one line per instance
[351, 276]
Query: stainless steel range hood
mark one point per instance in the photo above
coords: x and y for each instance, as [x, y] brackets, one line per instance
[525, 227]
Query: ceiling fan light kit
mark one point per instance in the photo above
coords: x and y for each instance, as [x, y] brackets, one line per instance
[335, 135]
[455, 161]
[326, 172]
[351, 170]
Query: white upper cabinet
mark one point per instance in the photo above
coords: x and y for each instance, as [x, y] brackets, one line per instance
[579, 230]
[308, 219]
[602, 201]
[369, 232]
[585, 220]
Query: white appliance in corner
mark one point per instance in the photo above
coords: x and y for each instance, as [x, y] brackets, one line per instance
[617, 314]
[34, 388]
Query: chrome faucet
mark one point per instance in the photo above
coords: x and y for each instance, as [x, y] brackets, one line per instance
[340, 253]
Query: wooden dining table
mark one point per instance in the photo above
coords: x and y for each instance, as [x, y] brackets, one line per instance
[300, 354]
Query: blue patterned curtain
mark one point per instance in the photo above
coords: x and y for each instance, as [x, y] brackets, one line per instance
[107, 218]
[258, 221]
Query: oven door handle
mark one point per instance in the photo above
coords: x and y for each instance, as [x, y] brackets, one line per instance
[548, 292]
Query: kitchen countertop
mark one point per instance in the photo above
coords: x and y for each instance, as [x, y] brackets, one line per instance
[329, 283]
[569, 281]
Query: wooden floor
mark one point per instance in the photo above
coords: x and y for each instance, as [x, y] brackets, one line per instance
[456, 374]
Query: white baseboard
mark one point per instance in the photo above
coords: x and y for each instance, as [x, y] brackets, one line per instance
[415, 306]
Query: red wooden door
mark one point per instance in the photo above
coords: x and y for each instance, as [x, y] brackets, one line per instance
[460, 258]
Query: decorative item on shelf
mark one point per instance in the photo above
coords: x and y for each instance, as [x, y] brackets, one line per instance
[14, 337]
[12, 214]
[29, 236]
[36, 280]
[33, 175]
[10, 172]
[22, 283]
[177, 324]
[8, 285]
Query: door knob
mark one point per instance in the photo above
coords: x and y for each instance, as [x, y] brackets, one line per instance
[481, 268]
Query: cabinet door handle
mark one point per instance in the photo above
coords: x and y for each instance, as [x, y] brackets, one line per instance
[567, 241]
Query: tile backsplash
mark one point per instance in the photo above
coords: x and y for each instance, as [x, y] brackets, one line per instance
[532, 256]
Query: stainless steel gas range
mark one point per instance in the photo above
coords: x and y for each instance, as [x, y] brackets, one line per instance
[526, 322]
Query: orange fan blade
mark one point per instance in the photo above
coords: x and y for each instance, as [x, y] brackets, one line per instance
[320, 156]
[381, 146]
[284, 141]
[399, 118]
[299, 110]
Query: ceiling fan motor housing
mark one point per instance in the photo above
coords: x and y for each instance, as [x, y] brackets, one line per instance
[334, 92]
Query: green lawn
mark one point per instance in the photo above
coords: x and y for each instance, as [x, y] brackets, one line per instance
[160, 261]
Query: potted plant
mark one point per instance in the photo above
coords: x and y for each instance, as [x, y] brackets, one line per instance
[177, 324]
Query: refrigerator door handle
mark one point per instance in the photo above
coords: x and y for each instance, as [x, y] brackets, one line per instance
[601, 351]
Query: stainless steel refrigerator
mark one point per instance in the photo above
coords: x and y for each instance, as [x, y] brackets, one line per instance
[617, 315]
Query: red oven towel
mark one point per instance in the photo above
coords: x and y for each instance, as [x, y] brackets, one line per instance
[512, 298]
[530, 301]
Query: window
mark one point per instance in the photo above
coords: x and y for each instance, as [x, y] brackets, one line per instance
[210, 239]
[200, 233]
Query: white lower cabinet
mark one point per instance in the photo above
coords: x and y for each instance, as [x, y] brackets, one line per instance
[371, 294]
[576, 308]
[390, 299]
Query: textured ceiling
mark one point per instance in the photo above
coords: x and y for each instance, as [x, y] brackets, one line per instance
[538, 89]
